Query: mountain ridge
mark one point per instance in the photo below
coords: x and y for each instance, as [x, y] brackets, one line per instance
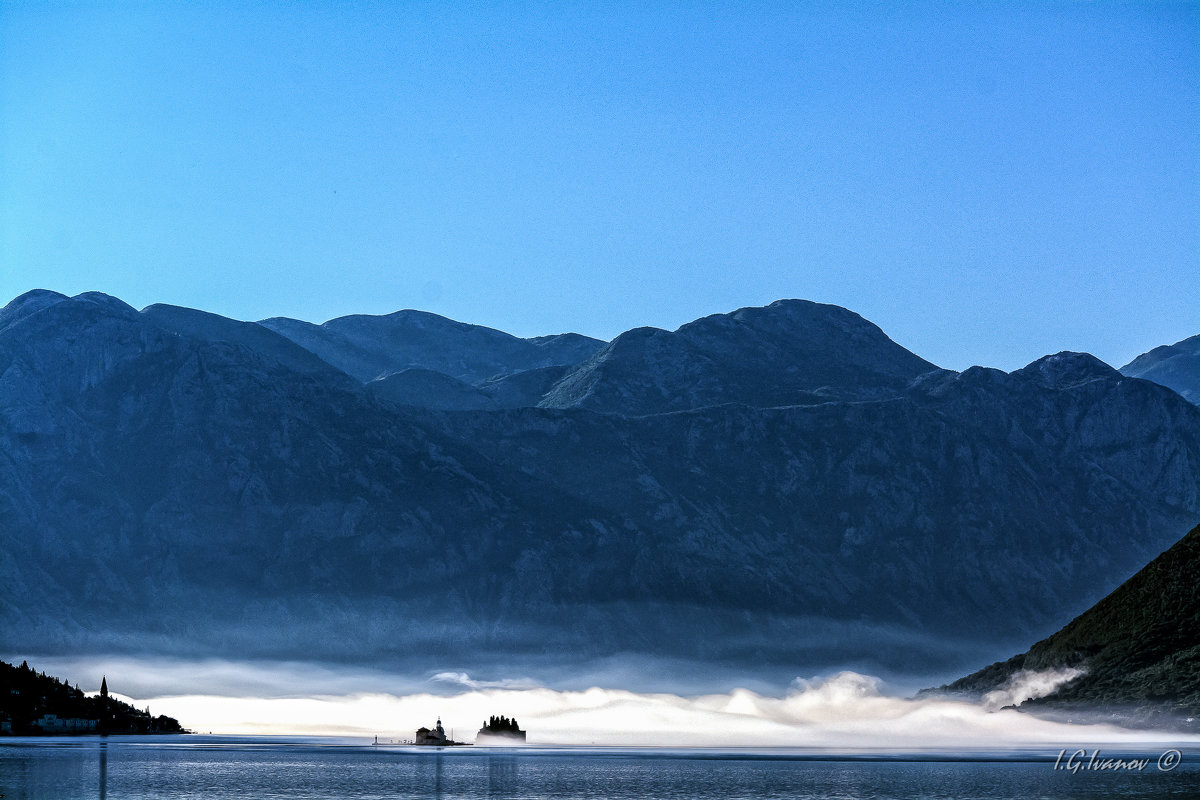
[192, 495]
[369, 347]
[720, 358]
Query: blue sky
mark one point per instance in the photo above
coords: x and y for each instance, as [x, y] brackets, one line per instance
[988, 182]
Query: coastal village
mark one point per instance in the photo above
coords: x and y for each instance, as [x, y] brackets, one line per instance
[36, 704]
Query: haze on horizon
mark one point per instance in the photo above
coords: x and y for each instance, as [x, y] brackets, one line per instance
[988, 183]
[845, 710]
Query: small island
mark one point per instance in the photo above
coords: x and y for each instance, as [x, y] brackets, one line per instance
[500, 730]
[36, 704]
[436, 737]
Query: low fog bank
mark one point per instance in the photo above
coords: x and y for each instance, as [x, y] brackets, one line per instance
[847, 710]
[837, 710]
[142, 676]
[671, 648]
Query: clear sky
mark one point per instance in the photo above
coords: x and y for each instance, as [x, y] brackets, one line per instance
[988, 182]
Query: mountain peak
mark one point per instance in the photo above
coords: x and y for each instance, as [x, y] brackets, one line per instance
[88, 306]
[105, 301]
[408, 319]
[790, 352]
[41, 296]
[1066, 369]
[795, 308]
[31, 302]
[793, 314]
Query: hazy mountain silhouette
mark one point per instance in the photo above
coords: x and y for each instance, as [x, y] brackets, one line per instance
[1176, 366]
[369, 347]
[175, 482]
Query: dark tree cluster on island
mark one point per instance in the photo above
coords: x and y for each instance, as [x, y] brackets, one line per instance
[33, 703]
[500, 728]
[501, 725]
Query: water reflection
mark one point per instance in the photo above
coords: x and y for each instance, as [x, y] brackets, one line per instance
[55, 769]
[103, 770]
[502, 776]
[430, 772]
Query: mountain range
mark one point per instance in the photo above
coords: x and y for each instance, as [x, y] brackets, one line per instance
[767, 492]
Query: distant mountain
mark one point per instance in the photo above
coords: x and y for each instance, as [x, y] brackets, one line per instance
[1176, 366]
[212, 328]
[1138, 650]
[428, 389]
[790, 352]
[425, 388]
[178, 483]
[372, 347]
[522, 389]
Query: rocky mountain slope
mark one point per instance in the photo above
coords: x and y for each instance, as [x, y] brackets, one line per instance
[1137, 650]
[888, 508]
[1176, 366]
[162, 485]
[173, 482]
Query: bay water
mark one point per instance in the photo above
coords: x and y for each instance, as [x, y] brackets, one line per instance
[277, 767]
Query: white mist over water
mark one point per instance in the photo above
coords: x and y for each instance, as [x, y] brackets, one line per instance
[846, 710]
[1027, 685]
[842, 710]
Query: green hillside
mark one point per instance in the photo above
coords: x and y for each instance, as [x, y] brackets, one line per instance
[1139, 647]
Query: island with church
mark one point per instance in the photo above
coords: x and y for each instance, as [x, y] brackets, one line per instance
[33, 703]
[436, 737]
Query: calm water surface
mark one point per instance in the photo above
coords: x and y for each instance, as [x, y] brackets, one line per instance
[226, 767]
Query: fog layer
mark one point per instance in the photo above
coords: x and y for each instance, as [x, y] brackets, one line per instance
[845, 710]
